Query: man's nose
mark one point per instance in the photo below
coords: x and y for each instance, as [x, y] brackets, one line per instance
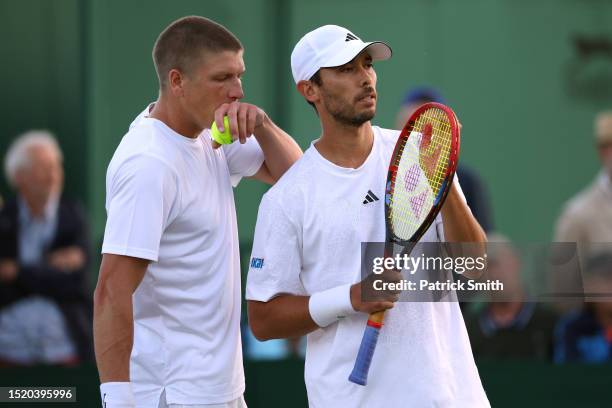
[365, 78]
[236, 92]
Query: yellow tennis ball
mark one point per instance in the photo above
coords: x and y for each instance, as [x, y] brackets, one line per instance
[221, 138]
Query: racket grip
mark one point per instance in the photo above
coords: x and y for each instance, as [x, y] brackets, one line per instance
[359, 375]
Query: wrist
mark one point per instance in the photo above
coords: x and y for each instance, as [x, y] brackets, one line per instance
[117, 395]
[265, 127]
[331, 305]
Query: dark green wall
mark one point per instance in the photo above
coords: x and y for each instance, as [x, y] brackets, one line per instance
[42, 73]
[279, 384]
[83, 69]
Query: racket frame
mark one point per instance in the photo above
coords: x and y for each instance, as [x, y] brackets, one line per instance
[359, 375]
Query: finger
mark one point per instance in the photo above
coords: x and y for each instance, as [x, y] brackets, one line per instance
[215, 145]
[242, 122]
[219, 114]
[232, 114]
[252, 121]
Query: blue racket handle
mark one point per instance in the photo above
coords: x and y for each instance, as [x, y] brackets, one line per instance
[364, 356]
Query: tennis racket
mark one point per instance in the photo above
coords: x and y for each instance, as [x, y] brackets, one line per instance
[420, 175]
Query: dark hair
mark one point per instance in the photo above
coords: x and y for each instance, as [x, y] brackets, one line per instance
[185, 40]
[315, 79]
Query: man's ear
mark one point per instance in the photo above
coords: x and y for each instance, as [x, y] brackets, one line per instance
[309, 91]
[176, 81]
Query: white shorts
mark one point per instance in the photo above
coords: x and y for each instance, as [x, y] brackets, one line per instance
[237, 403]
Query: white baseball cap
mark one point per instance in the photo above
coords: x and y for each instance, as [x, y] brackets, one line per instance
[331, 46]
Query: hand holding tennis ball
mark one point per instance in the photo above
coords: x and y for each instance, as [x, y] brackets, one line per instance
[221, 138]
[240, 121]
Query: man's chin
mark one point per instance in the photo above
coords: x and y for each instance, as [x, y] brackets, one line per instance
[366, 116]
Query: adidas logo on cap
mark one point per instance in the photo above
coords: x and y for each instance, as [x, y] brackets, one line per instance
[350, 36]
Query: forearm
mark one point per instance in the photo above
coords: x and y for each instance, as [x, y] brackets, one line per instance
[460, 226]
[461, 230]
[113, 335]
[280, 150]
[282, 317]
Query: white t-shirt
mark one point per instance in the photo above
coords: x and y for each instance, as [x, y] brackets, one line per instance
[169, 199]
[308, 239]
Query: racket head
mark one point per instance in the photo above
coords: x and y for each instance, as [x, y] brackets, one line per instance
[421, 172]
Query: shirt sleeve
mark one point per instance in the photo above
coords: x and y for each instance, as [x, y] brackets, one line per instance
[276, 260]
[569, 227]
[243, 160]
[142, 196]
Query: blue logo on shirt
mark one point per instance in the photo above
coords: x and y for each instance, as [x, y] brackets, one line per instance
[257, 262]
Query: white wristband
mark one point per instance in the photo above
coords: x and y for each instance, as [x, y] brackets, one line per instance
[117, 395]
[331, 305]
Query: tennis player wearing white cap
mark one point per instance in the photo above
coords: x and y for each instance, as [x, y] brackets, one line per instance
[306, 254]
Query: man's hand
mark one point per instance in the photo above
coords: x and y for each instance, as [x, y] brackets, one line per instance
[378, 300]
[244, 119]
[67, 259]
[8, 270]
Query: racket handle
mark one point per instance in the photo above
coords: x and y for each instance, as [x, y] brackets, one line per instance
[359, 375]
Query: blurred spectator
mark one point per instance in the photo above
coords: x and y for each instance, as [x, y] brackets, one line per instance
[586, 336]
[471, 184]
[45, 312]
[509, 325]
[587, 217]
[275, 349]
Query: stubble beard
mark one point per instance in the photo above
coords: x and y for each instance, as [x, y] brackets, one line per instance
[343, 112]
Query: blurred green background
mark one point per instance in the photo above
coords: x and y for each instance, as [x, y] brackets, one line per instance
[524, 92]
[509, 68]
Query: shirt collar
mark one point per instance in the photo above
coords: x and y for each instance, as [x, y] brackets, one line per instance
[49, 213]
[604, 181]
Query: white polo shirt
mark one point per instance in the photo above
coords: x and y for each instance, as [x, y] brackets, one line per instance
[169, 199]
[308, 237]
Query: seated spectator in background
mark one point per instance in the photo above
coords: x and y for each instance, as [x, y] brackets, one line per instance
[587, 217]
[509, 325]
[45, 310]
[471, 183]
[585, 336]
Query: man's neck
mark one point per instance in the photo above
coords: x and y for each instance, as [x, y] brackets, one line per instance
[36, 208]
[174, 117]
[504, 313]
[344, 145]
